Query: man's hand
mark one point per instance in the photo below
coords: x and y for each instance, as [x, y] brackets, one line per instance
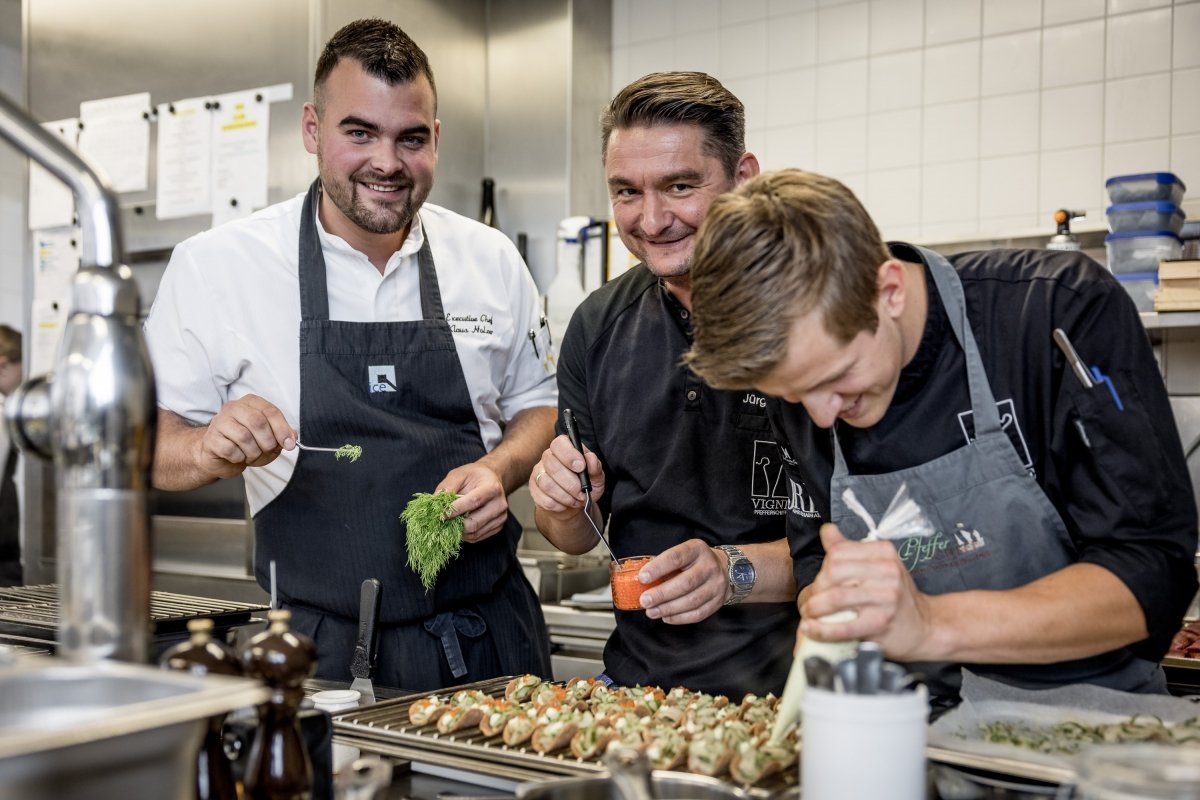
[247, 432]
[554, 482]
[695, 586]
[481, 500]
[870, 579]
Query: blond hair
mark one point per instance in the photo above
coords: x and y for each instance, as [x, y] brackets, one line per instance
[781, 245]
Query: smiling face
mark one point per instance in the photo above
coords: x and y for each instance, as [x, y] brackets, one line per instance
[661, 181]
[376, 148]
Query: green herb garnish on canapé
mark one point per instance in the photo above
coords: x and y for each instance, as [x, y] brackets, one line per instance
[350, 451]
[432, 538]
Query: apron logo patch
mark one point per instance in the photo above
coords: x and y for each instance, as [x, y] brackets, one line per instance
[968, 540]
[1008, 423]
[381, 378]
[767, 492]
[937, 552]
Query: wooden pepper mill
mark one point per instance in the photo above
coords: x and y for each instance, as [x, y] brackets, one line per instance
[201, 655]
[278, 767]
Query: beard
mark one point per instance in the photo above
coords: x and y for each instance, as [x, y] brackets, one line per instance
[385, 218]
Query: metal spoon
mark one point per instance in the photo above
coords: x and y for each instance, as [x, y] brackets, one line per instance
[321, 449]
[585, 482]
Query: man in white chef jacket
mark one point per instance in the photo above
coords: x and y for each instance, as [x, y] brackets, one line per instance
[357, 313]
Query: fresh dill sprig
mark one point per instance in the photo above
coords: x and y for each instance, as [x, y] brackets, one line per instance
[350, 451]
[432, 539]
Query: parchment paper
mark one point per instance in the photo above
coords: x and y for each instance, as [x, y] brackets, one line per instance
[986, 701]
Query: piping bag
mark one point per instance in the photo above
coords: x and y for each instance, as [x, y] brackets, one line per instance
[903, 519]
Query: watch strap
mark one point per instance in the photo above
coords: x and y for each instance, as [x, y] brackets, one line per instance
[740, 590]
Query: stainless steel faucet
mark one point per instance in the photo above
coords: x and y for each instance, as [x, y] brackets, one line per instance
[94, 417]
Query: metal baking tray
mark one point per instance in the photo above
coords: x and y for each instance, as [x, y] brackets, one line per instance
[384, 728]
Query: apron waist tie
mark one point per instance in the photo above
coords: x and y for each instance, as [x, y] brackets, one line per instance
[446, 626]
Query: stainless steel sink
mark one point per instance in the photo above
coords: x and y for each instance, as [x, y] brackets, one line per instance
[107, 729]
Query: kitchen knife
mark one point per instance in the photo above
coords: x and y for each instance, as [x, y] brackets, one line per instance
[366, 648]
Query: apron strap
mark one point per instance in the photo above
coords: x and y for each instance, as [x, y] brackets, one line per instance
[983, 402]
[446, 626]
[314, 293]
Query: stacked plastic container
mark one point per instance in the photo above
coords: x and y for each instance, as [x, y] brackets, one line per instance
[1145, 220]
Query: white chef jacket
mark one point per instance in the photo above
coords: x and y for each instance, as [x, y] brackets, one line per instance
[225, 322]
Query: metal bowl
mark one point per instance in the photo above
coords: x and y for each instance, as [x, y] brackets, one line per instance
[75, 731]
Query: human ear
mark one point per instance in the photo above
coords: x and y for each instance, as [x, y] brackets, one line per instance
[891, 280]
[309, 127]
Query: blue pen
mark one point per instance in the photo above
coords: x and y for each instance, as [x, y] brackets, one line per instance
[1107, 381]
[1088, 376]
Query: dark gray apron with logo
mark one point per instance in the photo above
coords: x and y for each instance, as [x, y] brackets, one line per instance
[996, 528]
[397, 390]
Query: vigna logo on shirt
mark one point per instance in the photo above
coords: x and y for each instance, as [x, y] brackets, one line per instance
[381, 378]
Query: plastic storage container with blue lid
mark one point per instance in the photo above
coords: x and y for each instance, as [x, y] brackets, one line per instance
[1152, 215]
[1140, 251]
[1141, 287]
[1144, 187]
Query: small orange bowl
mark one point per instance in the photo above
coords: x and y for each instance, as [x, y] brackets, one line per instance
[626, 588]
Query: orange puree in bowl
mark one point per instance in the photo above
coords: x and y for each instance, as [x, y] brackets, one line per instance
[626, 588]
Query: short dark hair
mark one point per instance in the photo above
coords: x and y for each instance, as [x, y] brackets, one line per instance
[382, 48]
[689, 98]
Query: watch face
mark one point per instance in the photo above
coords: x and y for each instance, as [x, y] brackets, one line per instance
[742, 573]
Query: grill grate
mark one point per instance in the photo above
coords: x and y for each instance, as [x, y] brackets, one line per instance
[385, 728]
[34, 611]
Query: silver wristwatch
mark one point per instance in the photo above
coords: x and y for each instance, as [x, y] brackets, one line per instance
[741, 574]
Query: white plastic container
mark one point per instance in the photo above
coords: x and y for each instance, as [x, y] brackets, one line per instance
[864, 745]
[1145, 186]
[1153, 215]
[1141, 286]
[1140, 251]
[333, 701]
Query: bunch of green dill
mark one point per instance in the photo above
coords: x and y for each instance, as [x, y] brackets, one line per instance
[432, 539]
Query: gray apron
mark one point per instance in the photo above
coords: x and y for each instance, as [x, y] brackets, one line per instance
[995, 527]
[396, 389]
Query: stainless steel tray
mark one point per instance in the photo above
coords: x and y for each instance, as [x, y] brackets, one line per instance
[385, 728]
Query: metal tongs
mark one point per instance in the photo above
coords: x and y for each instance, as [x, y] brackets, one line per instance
[585, 482]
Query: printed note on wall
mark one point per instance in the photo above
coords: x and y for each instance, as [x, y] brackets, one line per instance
[51, 204]
[184, 157]
[240, 130]
[115, 135]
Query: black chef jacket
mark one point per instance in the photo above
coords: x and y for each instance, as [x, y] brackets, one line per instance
[681, 461]
[1126, 500]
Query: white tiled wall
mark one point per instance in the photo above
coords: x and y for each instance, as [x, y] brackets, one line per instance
[951, 119]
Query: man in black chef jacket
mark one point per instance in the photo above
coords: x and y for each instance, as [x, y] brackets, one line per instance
[680, 471]
[357, 313]
[1063, 515]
